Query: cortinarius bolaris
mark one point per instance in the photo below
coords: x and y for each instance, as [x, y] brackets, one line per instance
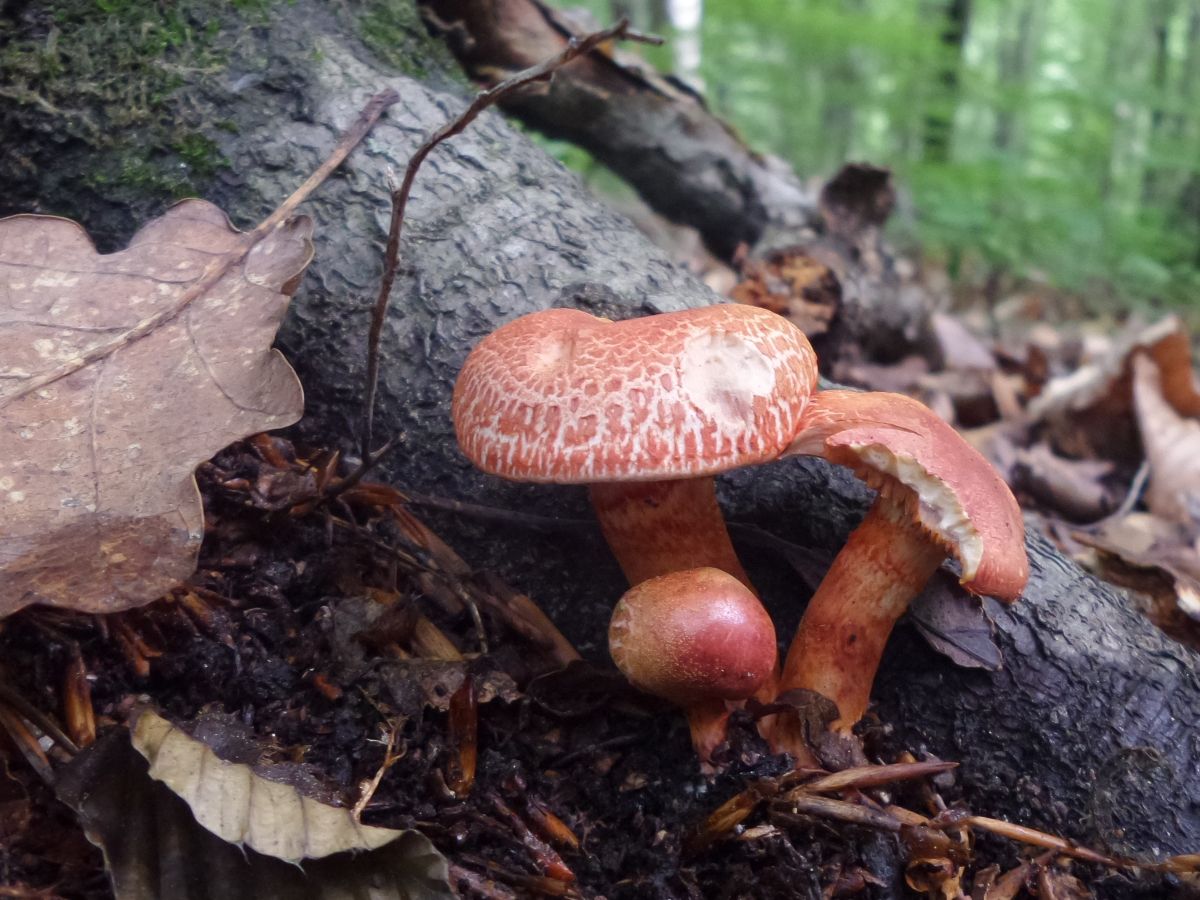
[937, 497]
[698, 638]
[645, 411]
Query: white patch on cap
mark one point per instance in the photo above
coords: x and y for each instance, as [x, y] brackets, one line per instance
[940, 511]
[723, 375]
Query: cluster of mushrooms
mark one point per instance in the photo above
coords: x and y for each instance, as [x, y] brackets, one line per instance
[647, 411]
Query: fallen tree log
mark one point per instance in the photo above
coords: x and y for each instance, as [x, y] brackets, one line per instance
[1090, 727]
[692, 168]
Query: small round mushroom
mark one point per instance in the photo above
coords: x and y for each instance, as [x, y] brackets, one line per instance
[644, 411]
[698, 638]
[937, 496]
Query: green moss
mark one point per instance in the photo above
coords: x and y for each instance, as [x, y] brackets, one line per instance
[101, 73]
[200, 154]
[393, 31]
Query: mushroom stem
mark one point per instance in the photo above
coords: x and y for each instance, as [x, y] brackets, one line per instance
[885, 563]
[709, 724]
[698, 638]
[658, 527]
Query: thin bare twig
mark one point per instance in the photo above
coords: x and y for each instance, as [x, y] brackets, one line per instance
[390, 758]
[1132, 496]
[369, 461]
[531, 521]
[576, 47]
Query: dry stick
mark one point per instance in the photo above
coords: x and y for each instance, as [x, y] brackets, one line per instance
[576, 47]
[216, 270]
[1184, 864]
[390, 758]
[864, 777]
[26, 742]
[481, 885]
[1132, 496]
[36, 717]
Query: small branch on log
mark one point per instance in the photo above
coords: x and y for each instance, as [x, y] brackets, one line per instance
[575, 48]
[650, 129]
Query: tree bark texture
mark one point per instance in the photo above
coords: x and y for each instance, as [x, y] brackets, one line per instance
[689, 165]
[1090, 729]
[653, 131]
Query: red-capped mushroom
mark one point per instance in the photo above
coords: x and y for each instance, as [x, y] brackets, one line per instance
[937, 496]
[645, 411]
[698, 638]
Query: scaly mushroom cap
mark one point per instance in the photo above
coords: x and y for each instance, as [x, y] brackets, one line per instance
[959, 499]
[563, 396]
[692, 636]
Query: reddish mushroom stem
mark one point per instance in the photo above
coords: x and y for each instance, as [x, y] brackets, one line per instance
[838, 646]
[658, 527]
[708, 721]
[699, 639]
[937, 497]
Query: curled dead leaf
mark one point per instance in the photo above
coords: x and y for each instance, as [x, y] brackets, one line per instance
[956, 625]
[240, 806]
[154, 847]
[1090, 411]
[119, 374]
[1172, 445]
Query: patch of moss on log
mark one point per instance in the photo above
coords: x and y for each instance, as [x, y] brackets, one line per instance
[393, 31]
[98, 78]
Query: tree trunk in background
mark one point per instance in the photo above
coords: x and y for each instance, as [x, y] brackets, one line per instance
[939, 120]
[1089, 729]
[1185, 205]
[1158, 175]
[1015, 61]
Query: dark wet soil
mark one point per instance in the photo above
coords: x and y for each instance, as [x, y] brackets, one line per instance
[313, 632]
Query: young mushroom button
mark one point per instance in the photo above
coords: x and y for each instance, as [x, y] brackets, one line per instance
[645, 411]
[697, 638]
[936, 497]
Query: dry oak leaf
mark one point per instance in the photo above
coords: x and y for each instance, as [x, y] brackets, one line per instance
[1171, 443]
[238, 804]
[119, 374]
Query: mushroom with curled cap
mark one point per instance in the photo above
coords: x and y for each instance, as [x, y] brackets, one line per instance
[645, 411]
[698, 638]
[937, 496]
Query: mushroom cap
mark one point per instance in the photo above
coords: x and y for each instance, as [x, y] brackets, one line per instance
[563, 396]
[697, 634]
[959, 499]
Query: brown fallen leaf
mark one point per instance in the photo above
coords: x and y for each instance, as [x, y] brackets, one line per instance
[989, 884]
[1072, 488]
[793, 284]
[1089, 412]
[956, 348]
[1056, 885]
[239, 805]
[1172, 445]
[955, 624]
[1155, 561]
[119, 374]
[154, 847]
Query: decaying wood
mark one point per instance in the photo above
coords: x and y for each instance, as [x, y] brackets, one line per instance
[1089, 728]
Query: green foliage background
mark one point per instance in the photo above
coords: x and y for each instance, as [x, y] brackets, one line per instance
[1070, 146]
